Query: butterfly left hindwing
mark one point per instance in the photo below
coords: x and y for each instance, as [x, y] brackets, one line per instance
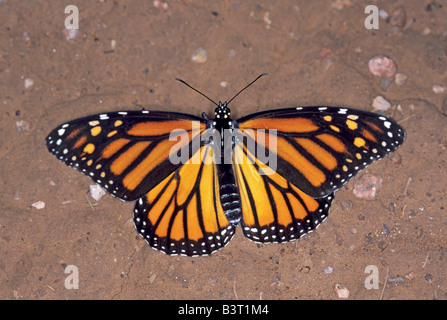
[183, 214]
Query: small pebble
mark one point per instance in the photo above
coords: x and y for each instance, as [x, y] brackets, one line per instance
[383, 14]
[327, 64]
[379, 103]
[341, 291]
[152, 278]
[71, 34]
[426, 31]
[324, 53]
[328, 270]
[28, 83]
[160, 4]
[398, 280]
[199, 56]
[345, 205]
[438, 88]
[398, 18]
[385, 83]
[26, 36]
[387, 231]
[223, 84]
[367, 186]
[38, 205]
[396, 159]
[22, 126]
[96, 191]
[382, 66]
[267, 20]
[392, 206]
[340, 4]
[400, 78]
[411, 276]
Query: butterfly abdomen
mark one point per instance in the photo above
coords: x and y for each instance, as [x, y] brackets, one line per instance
[229, 194]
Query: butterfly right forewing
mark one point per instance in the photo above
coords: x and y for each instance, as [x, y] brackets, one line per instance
[319, 149]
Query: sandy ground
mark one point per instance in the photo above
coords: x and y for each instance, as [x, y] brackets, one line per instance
[126, 56]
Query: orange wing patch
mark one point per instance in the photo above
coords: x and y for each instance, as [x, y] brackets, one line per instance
[157, 128]
[284, 125]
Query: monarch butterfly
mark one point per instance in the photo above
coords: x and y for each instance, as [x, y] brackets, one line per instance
[192, 208]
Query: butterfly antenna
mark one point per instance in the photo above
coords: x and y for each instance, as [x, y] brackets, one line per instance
[196, 90]
[264, 74]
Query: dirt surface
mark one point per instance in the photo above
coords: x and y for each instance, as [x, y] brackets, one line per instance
[126, 56]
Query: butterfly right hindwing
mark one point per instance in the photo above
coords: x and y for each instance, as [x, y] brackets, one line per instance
[273, 209]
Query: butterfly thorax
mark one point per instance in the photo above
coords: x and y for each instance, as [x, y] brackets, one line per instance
[222, 118]
[223, 125]
[229, 194]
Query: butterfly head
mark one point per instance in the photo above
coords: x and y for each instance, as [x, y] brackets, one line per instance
[222, 111]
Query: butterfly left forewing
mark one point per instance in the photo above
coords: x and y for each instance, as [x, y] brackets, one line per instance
[126, 152]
